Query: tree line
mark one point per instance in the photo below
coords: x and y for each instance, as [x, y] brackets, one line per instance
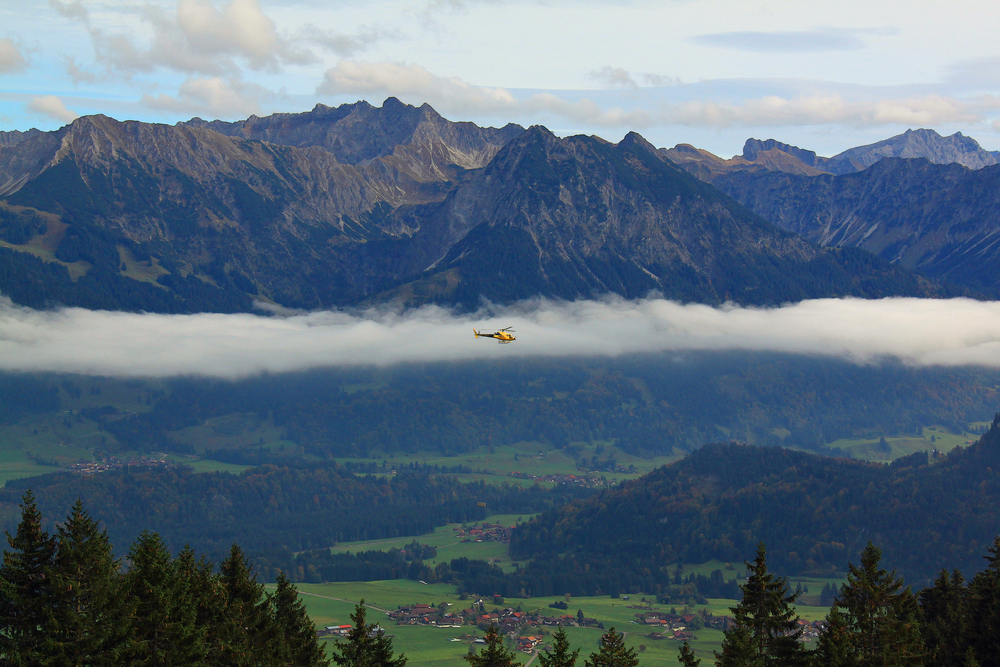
[874, 621]
[66, 600]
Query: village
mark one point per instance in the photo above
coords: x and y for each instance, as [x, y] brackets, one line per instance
[529, 629]
[115, 463]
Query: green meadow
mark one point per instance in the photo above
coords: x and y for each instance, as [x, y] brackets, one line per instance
[932, 437]
[333, 603]
[448, 543]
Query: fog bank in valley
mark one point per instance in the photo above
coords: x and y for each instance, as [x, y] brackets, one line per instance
[916, 331]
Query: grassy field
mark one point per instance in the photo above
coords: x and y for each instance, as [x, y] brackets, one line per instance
[332, 604]
[932, 437]
[448, 544]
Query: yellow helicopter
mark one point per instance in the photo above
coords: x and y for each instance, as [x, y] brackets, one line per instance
[502, 335]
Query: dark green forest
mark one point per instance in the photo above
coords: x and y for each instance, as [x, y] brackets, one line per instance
[273, 512]
[645, 404]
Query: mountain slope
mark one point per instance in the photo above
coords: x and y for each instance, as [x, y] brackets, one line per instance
[940, 220]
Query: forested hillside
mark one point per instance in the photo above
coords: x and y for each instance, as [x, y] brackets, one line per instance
[646, 404]
[270, 511]
[814, 512]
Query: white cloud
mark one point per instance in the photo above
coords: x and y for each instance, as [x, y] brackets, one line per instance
[451, 95]
[413, 83]
[53, 107]
[213, 97]
[239, 28]
[819, 109]
[11, 59]
[196, 38]
[919, 332]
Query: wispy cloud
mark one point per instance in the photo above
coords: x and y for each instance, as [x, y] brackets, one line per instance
[11, 58]
[822, 109]
[919, 332]
[797, 41]
[347, 45]
[613, 77]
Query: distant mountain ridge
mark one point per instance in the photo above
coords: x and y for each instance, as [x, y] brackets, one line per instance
[774, 155]
[357, 204]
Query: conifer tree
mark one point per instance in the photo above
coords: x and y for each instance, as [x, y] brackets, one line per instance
[366, 646]
[296, 633]
[687, 657]
[247, 626]
[26, 594]
[765, 626]
[560, 656]
[612, 652]
[984, 610]
[164, 629]
[494, 654]
[88, 609]
[200, 588]
[945, 607]
[833, 648]
[881, 619]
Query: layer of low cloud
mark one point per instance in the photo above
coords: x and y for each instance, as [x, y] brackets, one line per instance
[919, 332]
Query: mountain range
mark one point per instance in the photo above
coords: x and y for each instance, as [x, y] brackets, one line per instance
[919, 200]
[357, 204]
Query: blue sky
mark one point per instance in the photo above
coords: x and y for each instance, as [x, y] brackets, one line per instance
[821, 75]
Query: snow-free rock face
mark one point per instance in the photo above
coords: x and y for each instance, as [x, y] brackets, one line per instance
[942, 220]
[954, 149]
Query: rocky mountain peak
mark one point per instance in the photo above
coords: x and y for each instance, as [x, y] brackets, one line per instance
[919, 143]
[753, 147]
[635, 141]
